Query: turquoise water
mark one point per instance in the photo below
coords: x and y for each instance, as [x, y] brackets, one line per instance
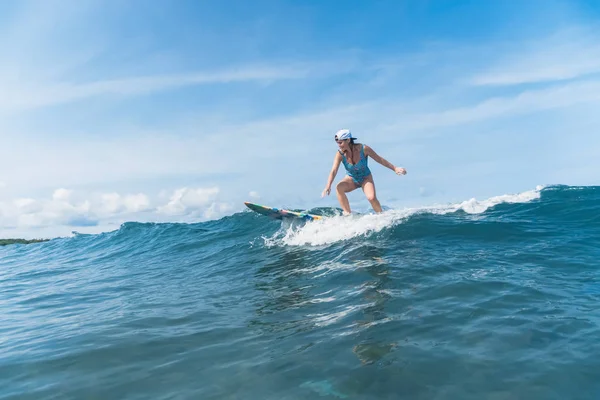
[496, 299]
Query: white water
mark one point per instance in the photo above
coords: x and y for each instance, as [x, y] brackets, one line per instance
[339, 228]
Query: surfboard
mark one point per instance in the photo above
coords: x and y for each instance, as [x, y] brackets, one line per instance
[277, 213]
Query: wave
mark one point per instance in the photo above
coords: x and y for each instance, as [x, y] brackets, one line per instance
[340, 228]
[543, 202]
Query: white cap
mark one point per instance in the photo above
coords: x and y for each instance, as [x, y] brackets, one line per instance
[344, 134]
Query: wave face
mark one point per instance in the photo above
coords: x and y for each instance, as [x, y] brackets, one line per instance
[482, 299]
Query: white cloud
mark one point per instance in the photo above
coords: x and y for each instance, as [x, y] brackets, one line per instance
[27, 96]
[111, 202]
[254, 195]
[565, 55]
[28, 212]
[529, 101]
[186, 200]
[216, 210]
[62, 194]
[115, 203]
[53, 54]
[27, 205]
[137, 156]
[71, 209]
[136, 202]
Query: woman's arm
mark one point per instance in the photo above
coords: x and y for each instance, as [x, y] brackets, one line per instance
[334, 169]
[371, 153]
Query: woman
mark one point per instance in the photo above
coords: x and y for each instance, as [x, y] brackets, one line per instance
[354, 157]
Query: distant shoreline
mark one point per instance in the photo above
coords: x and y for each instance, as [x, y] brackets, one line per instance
[5, 242]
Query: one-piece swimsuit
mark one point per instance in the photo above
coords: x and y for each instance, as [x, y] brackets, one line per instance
[359, 171]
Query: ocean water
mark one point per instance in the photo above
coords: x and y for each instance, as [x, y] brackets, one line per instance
[492, 299]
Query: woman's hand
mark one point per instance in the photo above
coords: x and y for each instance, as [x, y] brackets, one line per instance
[400, 171]
[326, 191]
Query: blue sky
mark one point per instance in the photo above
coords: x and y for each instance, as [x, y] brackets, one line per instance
[179, 111]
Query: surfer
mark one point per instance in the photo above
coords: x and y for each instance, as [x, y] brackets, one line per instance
[354, 157]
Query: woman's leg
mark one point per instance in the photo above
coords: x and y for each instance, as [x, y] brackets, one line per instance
[346, 185]
[368, 187]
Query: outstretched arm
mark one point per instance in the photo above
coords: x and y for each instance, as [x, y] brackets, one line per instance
[371, 153]
[334, 169]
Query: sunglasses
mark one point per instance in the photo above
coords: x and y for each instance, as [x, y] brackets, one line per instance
[339, 141]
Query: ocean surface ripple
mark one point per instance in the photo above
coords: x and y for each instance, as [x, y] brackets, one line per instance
[494, 299]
